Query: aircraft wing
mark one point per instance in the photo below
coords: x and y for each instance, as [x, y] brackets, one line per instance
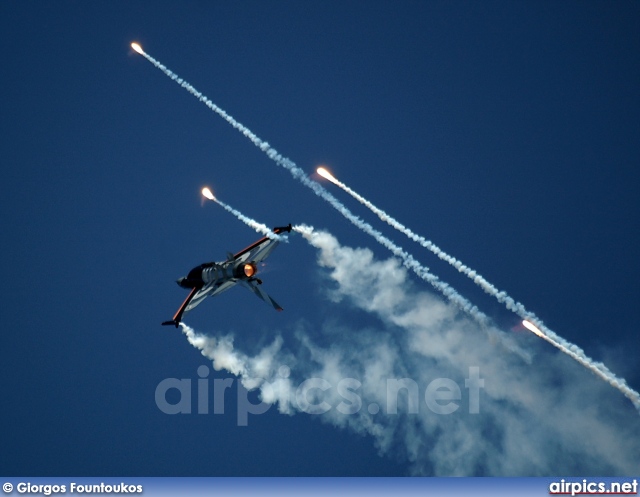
[210, 290]
[261, 249]
[196, 296]
[177, 317]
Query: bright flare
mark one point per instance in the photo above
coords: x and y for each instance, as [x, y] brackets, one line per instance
[136, 47]
[531, 327]
[207, 193]
[259, 227]
[326, 174]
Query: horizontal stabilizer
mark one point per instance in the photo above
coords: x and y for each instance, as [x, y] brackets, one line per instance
[261, 294]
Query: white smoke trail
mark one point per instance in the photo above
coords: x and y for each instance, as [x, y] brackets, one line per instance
[383, 291]
[408, 260]
[597, 368]
[311, 235]
[549, 335]
[527, 422]
[263, 372]
[319, 190]
[252, 223]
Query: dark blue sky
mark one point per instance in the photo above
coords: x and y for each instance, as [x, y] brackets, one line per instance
[506, 132]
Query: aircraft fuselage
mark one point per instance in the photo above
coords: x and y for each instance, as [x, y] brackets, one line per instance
[210, 272]
[213, 278]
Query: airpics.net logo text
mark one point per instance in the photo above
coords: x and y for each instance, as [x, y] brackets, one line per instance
[586, 487]
[441, 396]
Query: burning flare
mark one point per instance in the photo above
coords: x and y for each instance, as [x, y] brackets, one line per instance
[207, 193]
[136, 47]
[531, 327]
[326, 175]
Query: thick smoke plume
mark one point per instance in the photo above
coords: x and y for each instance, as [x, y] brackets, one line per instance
[525, 424]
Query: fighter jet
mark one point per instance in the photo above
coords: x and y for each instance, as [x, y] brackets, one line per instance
[213, 278]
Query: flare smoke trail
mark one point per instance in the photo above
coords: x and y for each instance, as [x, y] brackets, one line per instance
[252, 223]
[408, 260]
[541, 329]
[596, 368]
[259, 227]
[319, 190]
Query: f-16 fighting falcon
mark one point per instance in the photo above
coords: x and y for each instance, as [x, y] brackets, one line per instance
[213, 278]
